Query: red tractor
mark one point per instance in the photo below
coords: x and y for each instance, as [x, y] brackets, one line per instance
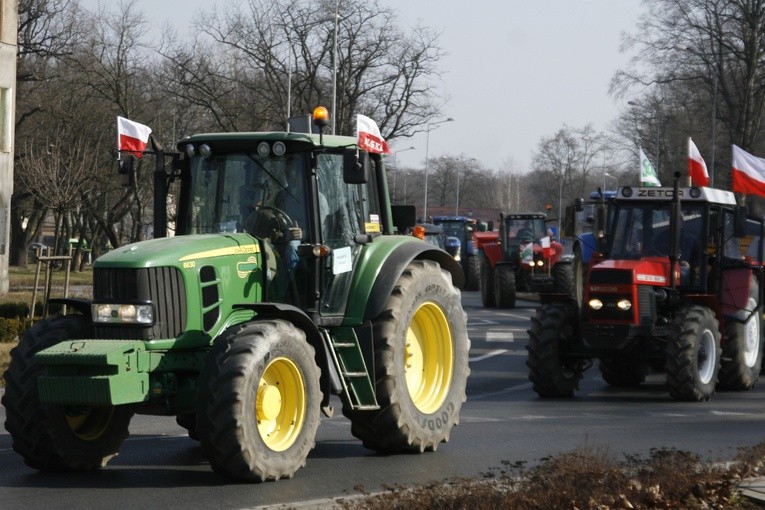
[676, 288]
[522, 257]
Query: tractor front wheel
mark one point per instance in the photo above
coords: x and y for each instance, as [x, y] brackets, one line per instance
[553, 330]
[693, 354]
[258, 402]
[487, 283]
[421, 364]
[504, 287]
[57, 437]
[742, 354]
[473, 276]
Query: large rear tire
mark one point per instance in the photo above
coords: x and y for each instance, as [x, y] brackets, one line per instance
[258, 402]
[553, 330]
[742, 354]
[693, 354]
[579, 277]
[487, 283]
[504, 287]
[421, 364]
[56, 437]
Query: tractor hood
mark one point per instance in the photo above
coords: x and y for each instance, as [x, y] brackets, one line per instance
[647, 271]
[178, 251]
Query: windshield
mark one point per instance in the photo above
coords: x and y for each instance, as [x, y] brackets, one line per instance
[525, 229]
[643, 230]
[227, 189]
[454, 229]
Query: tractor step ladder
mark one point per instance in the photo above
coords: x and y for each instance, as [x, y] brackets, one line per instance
[353, 371]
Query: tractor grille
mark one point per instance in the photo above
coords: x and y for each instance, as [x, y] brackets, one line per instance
[612, 276]
[646, 305]
[162, 286]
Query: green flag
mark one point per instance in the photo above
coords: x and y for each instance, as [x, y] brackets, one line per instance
[648, 175]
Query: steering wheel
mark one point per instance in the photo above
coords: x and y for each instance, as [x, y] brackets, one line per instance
[271, 222]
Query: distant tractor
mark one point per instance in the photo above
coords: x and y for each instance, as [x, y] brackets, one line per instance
[462, 228]
[522, 258]
[676, 287]
[282, 287]
[436, 236]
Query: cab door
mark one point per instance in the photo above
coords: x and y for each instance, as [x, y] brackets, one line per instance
[347, 214]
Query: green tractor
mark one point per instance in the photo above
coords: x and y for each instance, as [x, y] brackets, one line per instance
[282, 286]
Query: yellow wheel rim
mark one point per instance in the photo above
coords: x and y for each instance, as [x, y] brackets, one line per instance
[280, 404]
[90, 423]
[429, 358]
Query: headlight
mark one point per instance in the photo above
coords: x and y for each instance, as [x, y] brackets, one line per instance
[540, 263]
[596, 304]
[623, 304]
[123, 314]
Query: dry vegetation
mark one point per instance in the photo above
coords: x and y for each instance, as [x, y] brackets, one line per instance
[588, 478]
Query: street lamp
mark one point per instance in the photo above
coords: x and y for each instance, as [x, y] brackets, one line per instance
[334, 68]
[427, 143]
[606, 174]
[457, 207]
[682, 47]
[395, 168]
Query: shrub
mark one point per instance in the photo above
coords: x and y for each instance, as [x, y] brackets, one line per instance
[10, 328]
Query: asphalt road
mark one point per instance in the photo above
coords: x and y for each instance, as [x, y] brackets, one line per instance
[502, 422]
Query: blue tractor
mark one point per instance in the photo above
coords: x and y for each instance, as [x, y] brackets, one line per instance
[462, 228]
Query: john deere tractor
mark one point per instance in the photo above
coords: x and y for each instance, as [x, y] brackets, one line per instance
[281, 287]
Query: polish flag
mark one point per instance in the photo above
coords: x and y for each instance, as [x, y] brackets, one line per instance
[132, 137]
[369, 136]
[748, 172]
[697, 169]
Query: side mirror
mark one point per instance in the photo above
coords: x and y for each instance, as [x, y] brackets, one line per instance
[356, 165]
[404, 217]
[126, 169]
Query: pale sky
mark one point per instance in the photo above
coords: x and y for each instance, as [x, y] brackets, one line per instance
[516, 70]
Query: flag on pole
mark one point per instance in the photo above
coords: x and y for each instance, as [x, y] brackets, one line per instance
[648, 175]
[369, 136]
[748, 173]
[697, 169]
[132, 137]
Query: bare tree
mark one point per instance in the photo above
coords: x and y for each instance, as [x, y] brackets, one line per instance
[276, 57]
[717, 44]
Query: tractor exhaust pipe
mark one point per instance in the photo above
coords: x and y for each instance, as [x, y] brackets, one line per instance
[676, 219]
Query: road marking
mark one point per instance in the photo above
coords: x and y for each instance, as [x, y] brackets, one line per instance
[729, 413]
[487, 356]
[499, 336]
[514, 316]
[481, 321]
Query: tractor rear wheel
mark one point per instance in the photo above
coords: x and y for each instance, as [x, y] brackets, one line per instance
[552, 331]
[693, 354]
[623, 373]
[57, 437]
[504, 287]
[742, 354]
[258, 402]
[579, 277]
[487, 283]
[421, 364]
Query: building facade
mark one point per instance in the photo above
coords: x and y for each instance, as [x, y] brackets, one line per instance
[8, 49]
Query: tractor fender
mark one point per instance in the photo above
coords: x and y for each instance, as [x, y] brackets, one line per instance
[329, 377]
[394, 266]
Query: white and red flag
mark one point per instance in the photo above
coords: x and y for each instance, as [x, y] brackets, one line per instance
[132, 137]
[369, 136]
[697, 169]
[748, 173]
